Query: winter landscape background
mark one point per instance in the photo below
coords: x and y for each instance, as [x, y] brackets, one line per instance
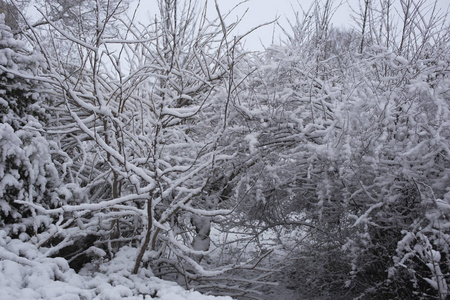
[164, 160]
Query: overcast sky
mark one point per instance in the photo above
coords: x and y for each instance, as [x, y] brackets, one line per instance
[262, 11]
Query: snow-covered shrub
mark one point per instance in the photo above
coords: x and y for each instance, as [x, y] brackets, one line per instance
[423, 252]
[140, 121]
[27, 172]
[20, 95]
[352, 146]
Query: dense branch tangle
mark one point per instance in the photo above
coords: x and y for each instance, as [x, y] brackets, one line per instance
[142, 114]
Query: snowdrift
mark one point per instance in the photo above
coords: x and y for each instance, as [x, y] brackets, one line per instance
[25, 273]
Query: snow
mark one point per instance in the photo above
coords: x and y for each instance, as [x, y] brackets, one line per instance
[252, 140]
[26, 273]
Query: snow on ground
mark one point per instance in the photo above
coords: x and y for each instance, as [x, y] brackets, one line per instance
[25, 273]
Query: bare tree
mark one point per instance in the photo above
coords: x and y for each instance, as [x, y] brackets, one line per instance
[143, 113]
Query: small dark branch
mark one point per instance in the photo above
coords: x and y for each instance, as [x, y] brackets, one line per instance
[366, 8]
[147, 237]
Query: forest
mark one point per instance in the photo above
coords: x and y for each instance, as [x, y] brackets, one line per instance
[164, 160]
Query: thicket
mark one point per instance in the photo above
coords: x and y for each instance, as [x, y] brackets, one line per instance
[172, 139]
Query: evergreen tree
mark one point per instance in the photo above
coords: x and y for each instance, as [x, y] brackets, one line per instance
[27, 172]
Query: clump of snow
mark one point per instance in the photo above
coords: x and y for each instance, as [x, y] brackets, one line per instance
[253, 142]
[26, 273]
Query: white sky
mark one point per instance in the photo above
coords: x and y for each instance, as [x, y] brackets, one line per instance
[262, 11]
